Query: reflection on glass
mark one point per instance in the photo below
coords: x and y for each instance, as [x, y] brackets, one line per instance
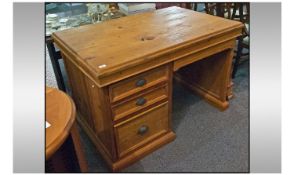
[61, 16]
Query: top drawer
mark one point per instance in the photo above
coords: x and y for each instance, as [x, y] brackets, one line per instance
[137, 83]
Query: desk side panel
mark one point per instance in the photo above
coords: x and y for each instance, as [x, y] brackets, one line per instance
[94, 109]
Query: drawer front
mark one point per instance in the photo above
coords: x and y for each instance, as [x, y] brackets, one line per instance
[137, 83]
[126, 108]
[141, 129]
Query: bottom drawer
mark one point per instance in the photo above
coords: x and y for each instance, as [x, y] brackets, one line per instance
[141, 129]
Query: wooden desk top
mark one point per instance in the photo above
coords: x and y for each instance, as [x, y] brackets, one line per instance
[60, 113]
[115, 45]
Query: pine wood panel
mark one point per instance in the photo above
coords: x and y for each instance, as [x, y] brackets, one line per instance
[79, 93]
[93, 105]
[101, 50]
[101, 116]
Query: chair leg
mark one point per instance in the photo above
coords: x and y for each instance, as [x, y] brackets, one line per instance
[238, 56]
[56, 66]
[241, 14]
[195, 6]
[219, 10]
[206, 8]
[228, 7]
[234, 11]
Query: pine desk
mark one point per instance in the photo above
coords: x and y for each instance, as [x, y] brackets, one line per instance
[121, 71]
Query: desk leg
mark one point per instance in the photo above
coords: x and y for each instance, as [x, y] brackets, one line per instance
[79, 148]
[230, 94]
[230, 85]
[209, 78]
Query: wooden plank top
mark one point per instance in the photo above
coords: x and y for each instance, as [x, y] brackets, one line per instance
[113, 45]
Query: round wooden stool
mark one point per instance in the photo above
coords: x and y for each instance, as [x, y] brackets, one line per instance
[63, 147]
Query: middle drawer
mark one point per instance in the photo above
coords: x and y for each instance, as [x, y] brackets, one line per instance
[137, 103]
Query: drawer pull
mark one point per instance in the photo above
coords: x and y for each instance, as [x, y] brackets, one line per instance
[141, 101]
[143, 129]
[141, 82]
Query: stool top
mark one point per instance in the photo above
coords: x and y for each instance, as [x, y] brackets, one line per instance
[60, 114]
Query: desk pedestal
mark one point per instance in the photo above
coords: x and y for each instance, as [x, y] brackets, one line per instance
[210, 78]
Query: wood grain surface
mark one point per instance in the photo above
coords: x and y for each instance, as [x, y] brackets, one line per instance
[115, 45]
[60, 113]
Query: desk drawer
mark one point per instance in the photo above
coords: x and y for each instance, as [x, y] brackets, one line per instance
[137, 103]
[137, 83]
[143, 128]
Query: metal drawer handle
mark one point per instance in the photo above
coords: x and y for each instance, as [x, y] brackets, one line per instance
[141, 82]
[143, 129]
[141, 101]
